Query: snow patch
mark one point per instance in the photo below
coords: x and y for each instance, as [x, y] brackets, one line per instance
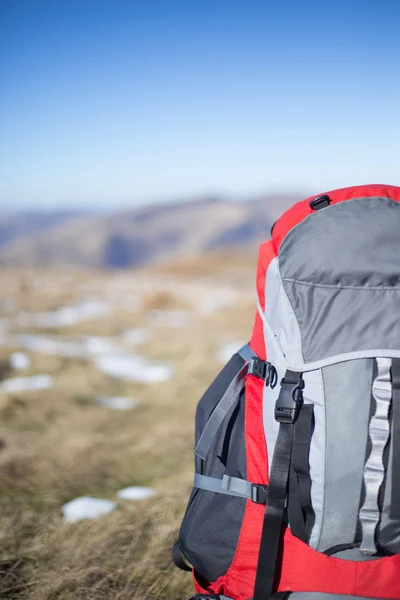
[49, 345]
[133, 368]
[24, 384]
[19, 361]
[66, 316]
[116, 402]
[135, 493]
[86, 507]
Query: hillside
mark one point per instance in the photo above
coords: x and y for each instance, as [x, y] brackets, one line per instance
[143, 235]
[107, 404]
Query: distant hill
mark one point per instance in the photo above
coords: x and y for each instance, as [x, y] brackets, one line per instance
[18, 225]
[137, 236]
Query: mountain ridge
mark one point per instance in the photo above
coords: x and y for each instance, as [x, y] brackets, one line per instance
[136, 236]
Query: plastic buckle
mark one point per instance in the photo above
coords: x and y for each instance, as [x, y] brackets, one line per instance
[258, 368]
[320, 202]
[271, 378]
[263, 370]
[259, 493]
[289, 401]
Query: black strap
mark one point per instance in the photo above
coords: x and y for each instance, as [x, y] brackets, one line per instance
[178, 558]
[300, 511]
[281, 596]
[395, 500]
[286, 412]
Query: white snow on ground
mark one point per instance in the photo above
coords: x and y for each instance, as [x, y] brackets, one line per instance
[19, 361]
[228, 350]
[169, 318]
[135, 493]
[86, 507]
[95, 345]
[116, 402]
[133, 368]
[23, 384]
[49, 345]
[135, 336]
[66, 316]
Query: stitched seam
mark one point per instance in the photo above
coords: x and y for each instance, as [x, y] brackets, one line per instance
[293, 311]
[342, 287]
[330, 207]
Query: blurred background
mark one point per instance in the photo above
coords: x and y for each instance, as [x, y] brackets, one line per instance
[147, 146]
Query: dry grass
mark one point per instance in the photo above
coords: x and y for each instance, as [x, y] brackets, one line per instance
[58, 444]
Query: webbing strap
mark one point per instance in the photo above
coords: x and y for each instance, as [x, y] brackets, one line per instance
[232, 486]
[246, 353]
[395, 499]
[178, 559]
[223, 407]
[286, 412]
[374, 470]
[300, 511]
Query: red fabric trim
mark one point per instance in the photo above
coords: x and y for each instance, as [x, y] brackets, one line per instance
[306, 570]
[301, 210]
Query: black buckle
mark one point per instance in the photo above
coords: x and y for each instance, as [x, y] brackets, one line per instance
[263, 370]
[320, 202]
[290, 400]
[259, 493]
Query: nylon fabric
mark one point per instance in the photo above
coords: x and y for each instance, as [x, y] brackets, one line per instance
[374, 470]
[224, 406]
[272, 524]
[337, 295]
[300, 510]
[322, 596]
[395, 466]
[347, 388]
[231, 486]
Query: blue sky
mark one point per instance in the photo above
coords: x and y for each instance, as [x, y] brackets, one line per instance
[111, 103]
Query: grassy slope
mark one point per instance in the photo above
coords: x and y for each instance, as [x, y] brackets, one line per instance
[58, 444]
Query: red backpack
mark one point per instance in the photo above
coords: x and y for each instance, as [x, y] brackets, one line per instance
[297, 459]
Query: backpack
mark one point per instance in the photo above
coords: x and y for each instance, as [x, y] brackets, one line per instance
[297, 457]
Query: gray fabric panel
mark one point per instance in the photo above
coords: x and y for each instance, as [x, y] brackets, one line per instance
[338, 320]
[274, 355]
[347, 398]
[280, 315]
[340, 268]
[355, 555]
[313, 393]
[321, 596]
[220, 412]
[389, 529]
[374, 470]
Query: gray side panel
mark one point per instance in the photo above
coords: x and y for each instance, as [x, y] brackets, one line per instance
[283, 321]
[389, 531]
[340, 269]
[314, 394]
[335, 321]
[320, 596]
[281, 317]
[347, 397]
[374, 470]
